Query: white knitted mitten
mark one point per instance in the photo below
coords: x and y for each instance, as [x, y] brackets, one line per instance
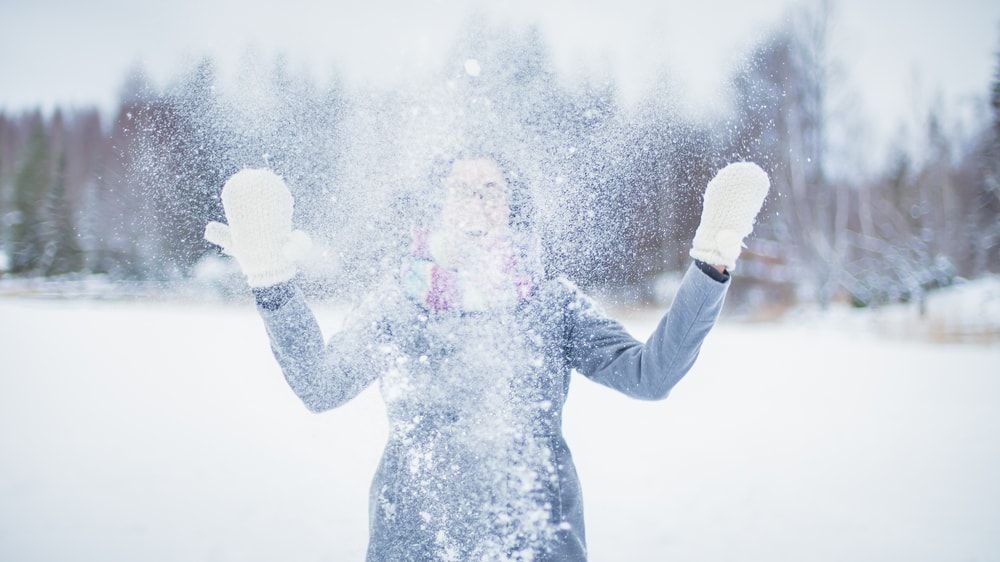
[732, 200]
[259, 235]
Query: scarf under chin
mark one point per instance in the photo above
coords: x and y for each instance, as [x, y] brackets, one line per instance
[464, 274]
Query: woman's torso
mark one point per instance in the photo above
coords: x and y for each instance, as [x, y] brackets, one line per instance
[475, 464]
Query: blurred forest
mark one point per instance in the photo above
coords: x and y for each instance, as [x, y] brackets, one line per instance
[127, 196]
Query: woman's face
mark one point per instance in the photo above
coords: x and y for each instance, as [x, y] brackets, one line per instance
[475, 201]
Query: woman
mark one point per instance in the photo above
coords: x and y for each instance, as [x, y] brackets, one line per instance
[473, 349]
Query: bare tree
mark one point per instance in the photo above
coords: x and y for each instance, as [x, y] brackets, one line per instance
[782, 122]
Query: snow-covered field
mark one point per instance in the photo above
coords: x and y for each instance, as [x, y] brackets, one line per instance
[163, 431]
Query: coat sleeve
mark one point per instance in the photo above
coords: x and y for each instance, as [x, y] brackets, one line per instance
[601, 349]
[323, 375]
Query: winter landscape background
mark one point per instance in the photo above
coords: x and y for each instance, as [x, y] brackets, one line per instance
[867, 207]
[843, 409]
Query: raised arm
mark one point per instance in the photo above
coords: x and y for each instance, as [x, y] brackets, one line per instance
[322, 375]
[258, 207]
[602, 350]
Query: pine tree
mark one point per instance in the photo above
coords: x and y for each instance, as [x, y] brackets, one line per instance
[988, 249]
[62, 247]
[31, 187]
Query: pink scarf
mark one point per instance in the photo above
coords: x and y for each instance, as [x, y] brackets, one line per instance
[464, 274]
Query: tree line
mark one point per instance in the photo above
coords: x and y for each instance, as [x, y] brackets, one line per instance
[128, 197]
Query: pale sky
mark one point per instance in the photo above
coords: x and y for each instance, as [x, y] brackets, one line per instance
[896, 56]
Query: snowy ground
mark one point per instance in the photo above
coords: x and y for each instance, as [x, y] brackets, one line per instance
[160, 431]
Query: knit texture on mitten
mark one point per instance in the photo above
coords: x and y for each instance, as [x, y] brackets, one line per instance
[259, 235]
[732, 200]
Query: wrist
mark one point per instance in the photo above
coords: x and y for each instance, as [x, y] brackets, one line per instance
[274, 296]
[716, 272]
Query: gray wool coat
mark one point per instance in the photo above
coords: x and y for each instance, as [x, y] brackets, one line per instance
[476, 467]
